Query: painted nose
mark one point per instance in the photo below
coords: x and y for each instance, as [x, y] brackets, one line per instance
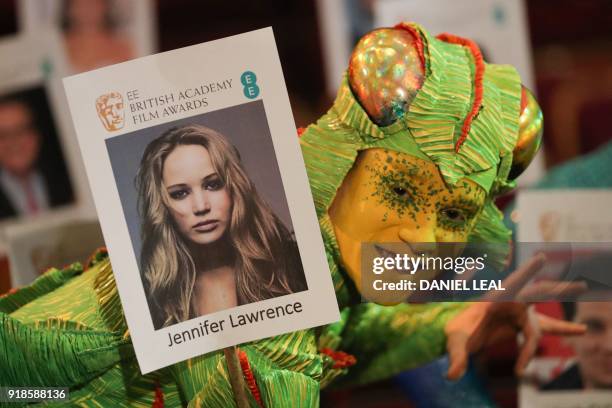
[200, 203]
[425, 233]
[422, 241]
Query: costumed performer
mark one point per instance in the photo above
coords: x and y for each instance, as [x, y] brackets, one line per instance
[426, 131]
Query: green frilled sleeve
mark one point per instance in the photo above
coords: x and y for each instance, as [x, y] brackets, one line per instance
[67, 329]
[54, 333]
[387, 340]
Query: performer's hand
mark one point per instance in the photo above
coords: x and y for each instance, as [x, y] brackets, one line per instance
[488, 322]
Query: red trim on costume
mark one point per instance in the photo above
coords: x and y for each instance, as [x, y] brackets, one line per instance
[248, 376]
[478, 76]
[159, 397]
[341, 359]
[11, 291]
[418, 42]
[93, 255]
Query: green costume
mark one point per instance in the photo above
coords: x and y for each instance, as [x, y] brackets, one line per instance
[67, 328]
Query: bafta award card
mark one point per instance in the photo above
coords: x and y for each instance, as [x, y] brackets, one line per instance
[193, 160]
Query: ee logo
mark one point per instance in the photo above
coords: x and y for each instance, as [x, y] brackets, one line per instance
[249, 81]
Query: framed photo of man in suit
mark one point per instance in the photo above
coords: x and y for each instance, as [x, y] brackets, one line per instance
[33, 173]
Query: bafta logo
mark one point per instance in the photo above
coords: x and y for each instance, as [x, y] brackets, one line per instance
[110, 110]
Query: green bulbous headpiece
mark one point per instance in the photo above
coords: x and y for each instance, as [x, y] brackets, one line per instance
[433, 98]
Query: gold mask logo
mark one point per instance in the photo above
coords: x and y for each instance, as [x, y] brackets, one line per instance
[110, 110]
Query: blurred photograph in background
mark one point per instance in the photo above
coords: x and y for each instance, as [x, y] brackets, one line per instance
[96, 33]
[592, 366]
[33, 173]
[92, 35]
[573, 371]
[576, 372]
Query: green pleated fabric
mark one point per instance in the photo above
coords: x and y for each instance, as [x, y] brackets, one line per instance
[389, 340]
[68, 329]
[46, 283]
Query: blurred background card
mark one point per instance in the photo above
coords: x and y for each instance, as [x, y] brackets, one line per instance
[564, 216]
[498, 26]
[41, 171]
[579, 221]
[95, 33]
[40, 167]
[35, 247]
[530, 398]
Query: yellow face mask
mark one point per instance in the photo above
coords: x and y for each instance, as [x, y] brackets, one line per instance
[391, 197]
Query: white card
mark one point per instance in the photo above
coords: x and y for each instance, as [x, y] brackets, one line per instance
[499, 27]
[564, 215]
[201, 278]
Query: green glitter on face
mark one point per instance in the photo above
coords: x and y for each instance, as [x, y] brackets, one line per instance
[408, 189]
[398, 189]
[394, 190]
[460, 214]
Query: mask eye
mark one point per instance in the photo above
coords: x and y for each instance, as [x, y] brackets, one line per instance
[400, 191]
[455, 215]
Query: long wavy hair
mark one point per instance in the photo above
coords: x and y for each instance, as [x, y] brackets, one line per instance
[266, 258]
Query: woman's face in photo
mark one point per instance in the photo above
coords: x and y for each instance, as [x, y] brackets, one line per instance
[199, 201]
